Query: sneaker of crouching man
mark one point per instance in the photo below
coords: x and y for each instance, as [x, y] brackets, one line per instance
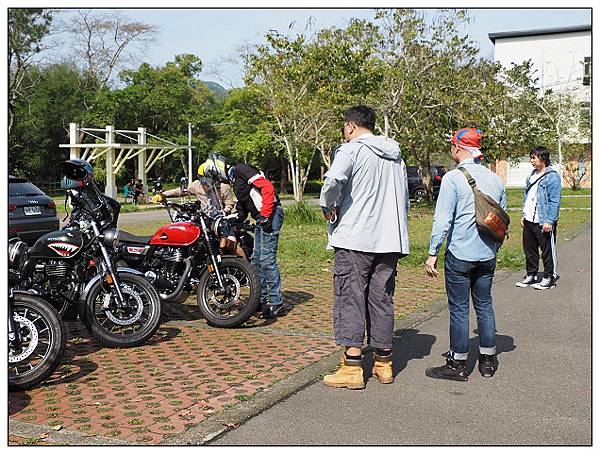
[470, 259]
[365, 199]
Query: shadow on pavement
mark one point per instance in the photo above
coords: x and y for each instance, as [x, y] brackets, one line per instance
[408, 344]
[504, 344]
[17, 401]
[163, 334]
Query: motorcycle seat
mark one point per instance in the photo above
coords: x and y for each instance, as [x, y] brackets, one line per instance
[131, 238]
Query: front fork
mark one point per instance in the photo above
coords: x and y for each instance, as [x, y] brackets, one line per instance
[14, 336]
[213, 257]
[108, 268]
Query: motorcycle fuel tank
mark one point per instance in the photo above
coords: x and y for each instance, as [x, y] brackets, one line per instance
[176, 234]
[63, 244]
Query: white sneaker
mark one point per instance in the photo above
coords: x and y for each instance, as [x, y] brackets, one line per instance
[545, 284]
[526, 281]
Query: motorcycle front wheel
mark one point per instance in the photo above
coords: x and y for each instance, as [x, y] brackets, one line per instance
[115, 326]
[43, 339]
[234, 305]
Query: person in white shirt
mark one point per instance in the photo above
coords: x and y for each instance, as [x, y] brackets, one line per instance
[541, 203]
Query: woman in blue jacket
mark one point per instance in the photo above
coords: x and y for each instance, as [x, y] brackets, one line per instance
[541, 203]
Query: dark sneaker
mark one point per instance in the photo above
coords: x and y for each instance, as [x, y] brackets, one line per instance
[545, 284]
[270, 312]
[488, 365]
[454, 369]
[526, 281]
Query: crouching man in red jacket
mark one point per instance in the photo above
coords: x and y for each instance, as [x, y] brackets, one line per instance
[256, 196]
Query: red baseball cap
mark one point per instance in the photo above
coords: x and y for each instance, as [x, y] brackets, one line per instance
[469, 139]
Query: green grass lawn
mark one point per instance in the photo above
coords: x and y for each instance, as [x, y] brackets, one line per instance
[302, 241]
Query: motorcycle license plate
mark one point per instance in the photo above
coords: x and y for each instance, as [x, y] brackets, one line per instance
[30, 211]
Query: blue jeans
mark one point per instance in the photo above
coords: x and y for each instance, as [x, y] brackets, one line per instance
[474, 279]
[264, 259]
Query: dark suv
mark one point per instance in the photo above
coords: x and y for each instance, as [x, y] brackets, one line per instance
[416, 188]
[31, 213]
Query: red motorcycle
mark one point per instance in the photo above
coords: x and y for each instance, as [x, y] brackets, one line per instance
[191, 254]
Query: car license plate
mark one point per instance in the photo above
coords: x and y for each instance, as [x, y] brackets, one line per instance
[30, 211]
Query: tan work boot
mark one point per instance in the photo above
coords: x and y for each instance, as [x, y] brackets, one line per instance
[349, 375]
[382, 368]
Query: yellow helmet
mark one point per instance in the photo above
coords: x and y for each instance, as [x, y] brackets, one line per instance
[201, 170]
[217, 168]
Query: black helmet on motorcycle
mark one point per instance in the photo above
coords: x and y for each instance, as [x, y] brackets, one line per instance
[217, 168]
[76, 173]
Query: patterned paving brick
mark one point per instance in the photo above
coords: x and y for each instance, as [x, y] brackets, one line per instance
[190, 370]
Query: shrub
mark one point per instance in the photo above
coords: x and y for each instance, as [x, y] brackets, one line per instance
[301, 213]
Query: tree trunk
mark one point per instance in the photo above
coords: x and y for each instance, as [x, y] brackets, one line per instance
[425, 166]
[184, 166]
[282, 174]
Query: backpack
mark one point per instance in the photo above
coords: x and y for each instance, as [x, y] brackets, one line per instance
[490, 218]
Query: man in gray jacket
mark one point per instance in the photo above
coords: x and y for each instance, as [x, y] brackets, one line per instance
[365, 199]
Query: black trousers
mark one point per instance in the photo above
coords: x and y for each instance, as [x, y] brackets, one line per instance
[534, 239]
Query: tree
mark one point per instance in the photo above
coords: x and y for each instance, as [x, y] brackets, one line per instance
[100, 43]
[305, 83]
[427, 69]
[246, 131]
[26, 30]
[164, 100]
[511, 122]
[43, 122]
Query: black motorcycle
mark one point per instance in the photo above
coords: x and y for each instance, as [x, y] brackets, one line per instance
[36, 335]
[73, 267]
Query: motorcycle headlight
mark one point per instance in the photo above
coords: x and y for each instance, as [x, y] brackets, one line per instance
[17, 253]
[111, 237]
[221, 227]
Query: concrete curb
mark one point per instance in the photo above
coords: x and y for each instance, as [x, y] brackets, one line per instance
[60, 437]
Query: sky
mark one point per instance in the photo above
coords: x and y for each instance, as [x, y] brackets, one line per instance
[215, 35]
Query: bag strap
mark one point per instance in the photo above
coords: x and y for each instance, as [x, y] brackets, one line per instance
[469, 178]
[538, 180]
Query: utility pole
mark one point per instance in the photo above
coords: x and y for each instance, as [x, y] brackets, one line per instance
[190, 174]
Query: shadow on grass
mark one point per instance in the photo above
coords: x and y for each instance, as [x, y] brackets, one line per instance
[295, 298]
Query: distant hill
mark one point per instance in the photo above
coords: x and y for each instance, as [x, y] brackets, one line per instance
[217, 89]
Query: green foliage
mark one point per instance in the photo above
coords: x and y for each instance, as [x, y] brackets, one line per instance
[246, 129]
[300, 213]
[42, 122]
[26, 29]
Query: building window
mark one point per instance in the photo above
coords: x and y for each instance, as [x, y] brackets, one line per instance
[585, 115]
[587, 70]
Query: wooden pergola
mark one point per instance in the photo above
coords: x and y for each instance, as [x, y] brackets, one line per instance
[116, 154]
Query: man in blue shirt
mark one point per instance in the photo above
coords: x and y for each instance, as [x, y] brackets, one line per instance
[470, 259]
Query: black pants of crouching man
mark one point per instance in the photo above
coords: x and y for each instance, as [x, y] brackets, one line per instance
[363, 286]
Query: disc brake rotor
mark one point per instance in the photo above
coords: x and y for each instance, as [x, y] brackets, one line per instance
[231, 295]
[118, 319]
[33, 339]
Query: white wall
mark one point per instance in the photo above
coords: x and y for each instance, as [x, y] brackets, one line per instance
[558, 58]
[516, 174]
[558, 61]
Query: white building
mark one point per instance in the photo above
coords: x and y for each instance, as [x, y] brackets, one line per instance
[561, 58]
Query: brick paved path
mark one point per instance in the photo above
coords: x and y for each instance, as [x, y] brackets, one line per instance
[189, 371]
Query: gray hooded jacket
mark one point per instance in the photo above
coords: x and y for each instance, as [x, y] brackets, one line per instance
[367, 182]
